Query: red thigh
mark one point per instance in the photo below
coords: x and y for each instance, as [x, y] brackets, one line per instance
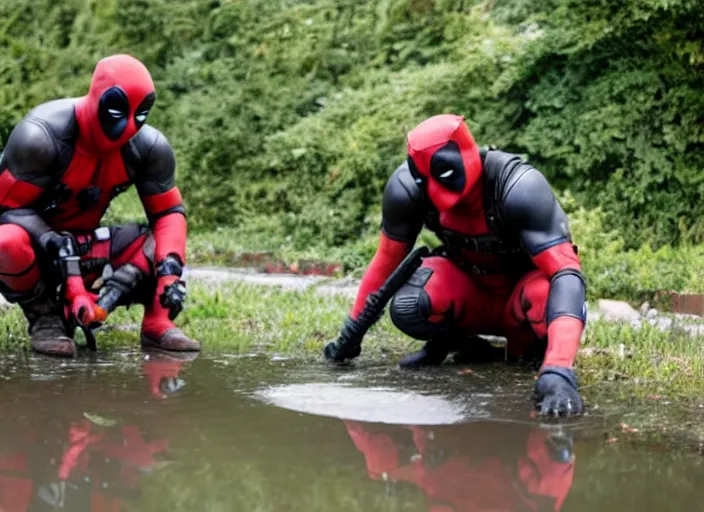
[133, 254]
[525, 313]
[124, 246]
[452, 290]
[19, 271]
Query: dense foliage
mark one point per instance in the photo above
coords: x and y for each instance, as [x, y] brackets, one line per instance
[288, 115]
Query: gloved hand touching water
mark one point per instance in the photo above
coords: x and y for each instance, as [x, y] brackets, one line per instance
[348, 343]
[556, 392]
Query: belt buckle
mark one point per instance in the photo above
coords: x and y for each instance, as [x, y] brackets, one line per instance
[102, 234]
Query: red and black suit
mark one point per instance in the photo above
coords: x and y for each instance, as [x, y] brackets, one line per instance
[508, 265]
[61, 167]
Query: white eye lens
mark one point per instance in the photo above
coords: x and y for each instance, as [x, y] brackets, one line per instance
[115, 113]
[141, 117]
[447, 174]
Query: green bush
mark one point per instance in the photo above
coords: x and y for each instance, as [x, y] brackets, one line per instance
[634, 274]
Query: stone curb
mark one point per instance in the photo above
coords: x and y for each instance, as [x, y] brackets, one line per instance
[608, 310]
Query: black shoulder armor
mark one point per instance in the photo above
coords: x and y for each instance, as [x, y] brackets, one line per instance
[40, 147]
[525, 203]
[403, 206]
[150, 162]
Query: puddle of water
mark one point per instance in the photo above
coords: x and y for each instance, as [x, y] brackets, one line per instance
[252, 434]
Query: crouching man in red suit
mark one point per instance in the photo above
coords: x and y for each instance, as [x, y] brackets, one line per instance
[61, 167]
[507, 266]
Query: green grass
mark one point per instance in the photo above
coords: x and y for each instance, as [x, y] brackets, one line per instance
[243, 318]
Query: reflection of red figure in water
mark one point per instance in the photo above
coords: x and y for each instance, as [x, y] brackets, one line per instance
[98, 469]
[98, 466]
[471, 468]
[162, 373]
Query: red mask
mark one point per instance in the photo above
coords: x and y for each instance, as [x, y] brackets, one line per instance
[120, 97]
[443, 157]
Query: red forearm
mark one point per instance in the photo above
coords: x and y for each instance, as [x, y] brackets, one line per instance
[564, 335]
[388, 256]
[167, 216]
[565, 308]
[170, 236]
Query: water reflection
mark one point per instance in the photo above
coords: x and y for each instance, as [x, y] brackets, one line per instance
[82, 460]
[163, 434]
[482, 466]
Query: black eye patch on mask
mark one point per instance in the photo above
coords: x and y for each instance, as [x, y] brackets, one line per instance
[113, 112]
[417, 176]
[447, 168]
[140, 115]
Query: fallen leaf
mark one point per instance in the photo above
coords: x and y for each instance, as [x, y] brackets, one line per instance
[466, 371]
[99, 420]
[628, 428]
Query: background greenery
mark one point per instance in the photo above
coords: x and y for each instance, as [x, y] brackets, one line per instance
[287, 116]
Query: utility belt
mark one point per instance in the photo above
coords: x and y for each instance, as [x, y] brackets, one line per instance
[455, 243]
[118, 238]
[513, 264]
[482, 244]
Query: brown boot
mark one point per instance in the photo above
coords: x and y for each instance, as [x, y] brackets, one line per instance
[46, 330]
[48, 336]
[171, 340]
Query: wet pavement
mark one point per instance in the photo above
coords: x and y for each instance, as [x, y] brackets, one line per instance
[226, 433]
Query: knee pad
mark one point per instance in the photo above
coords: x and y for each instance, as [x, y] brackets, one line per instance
[411, 309]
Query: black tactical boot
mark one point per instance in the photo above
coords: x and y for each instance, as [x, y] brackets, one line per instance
[433, 353]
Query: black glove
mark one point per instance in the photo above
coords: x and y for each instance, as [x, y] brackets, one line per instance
[169, 271]
[556, 392]
[119, 287]
[171, 385]
[173, 297]
[560, 447]
[348, 344]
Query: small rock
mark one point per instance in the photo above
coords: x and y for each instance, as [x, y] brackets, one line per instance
[694, 329]
[644, 308]
[622, 351]
[663, 324]
[593, 316]
[617, 310]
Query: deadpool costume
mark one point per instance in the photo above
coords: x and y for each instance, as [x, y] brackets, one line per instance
[464, 468]
[61, 167]
[507, 265]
